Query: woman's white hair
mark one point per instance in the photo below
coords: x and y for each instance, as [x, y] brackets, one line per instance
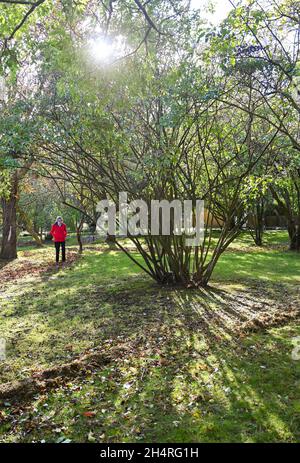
[58, 217]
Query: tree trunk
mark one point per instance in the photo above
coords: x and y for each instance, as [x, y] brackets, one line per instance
[294, 234]
[293, 221]
[111, 241]
[9, 232]
[29, 226]
[78, 234]
[258, 223]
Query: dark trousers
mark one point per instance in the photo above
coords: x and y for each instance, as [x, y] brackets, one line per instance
[61, 244]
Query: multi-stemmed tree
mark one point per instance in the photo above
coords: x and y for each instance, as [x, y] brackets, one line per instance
[160, 141]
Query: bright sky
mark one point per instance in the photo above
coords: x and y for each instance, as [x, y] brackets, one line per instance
[222, 8]
[104, 51]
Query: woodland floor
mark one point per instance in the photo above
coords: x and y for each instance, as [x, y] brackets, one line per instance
[98, 352]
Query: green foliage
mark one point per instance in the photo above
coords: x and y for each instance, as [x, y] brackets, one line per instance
[17, 131]
[4, 183]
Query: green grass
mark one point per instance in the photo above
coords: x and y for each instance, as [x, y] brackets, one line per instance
[266, 266]
[191, 373]
[270, 237]
[249, 394]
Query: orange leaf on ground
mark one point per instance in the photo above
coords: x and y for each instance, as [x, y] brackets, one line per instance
[89, 414]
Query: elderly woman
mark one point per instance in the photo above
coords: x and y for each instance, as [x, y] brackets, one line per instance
[59, 233]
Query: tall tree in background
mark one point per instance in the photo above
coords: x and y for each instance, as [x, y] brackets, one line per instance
[258, 45]
[17, 132]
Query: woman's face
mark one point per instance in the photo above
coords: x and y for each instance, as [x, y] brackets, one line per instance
[59, 221]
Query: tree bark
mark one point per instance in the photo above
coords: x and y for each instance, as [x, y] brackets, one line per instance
[294, 234]
[9, 213]
[258, 223]
[9, 231]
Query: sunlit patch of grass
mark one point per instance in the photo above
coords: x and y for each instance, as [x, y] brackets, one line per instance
[266, 266]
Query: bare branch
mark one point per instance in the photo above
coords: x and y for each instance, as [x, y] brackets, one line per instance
[147, 17]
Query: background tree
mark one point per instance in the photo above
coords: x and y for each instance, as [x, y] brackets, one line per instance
[258, 47]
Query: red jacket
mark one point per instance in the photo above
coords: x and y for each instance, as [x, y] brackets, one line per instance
[59, 233]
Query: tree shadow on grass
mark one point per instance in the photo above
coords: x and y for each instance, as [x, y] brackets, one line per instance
[187, 376]
[198, 380]
[76, 316]
[202, 382]
[188, 373]
[228, 398]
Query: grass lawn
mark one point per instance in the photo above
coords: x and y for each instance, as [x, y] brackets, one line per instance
[210, 365]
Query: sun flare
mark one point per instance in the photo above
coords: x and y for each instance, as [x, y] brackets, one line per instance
[106, 50]
[101, 49]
